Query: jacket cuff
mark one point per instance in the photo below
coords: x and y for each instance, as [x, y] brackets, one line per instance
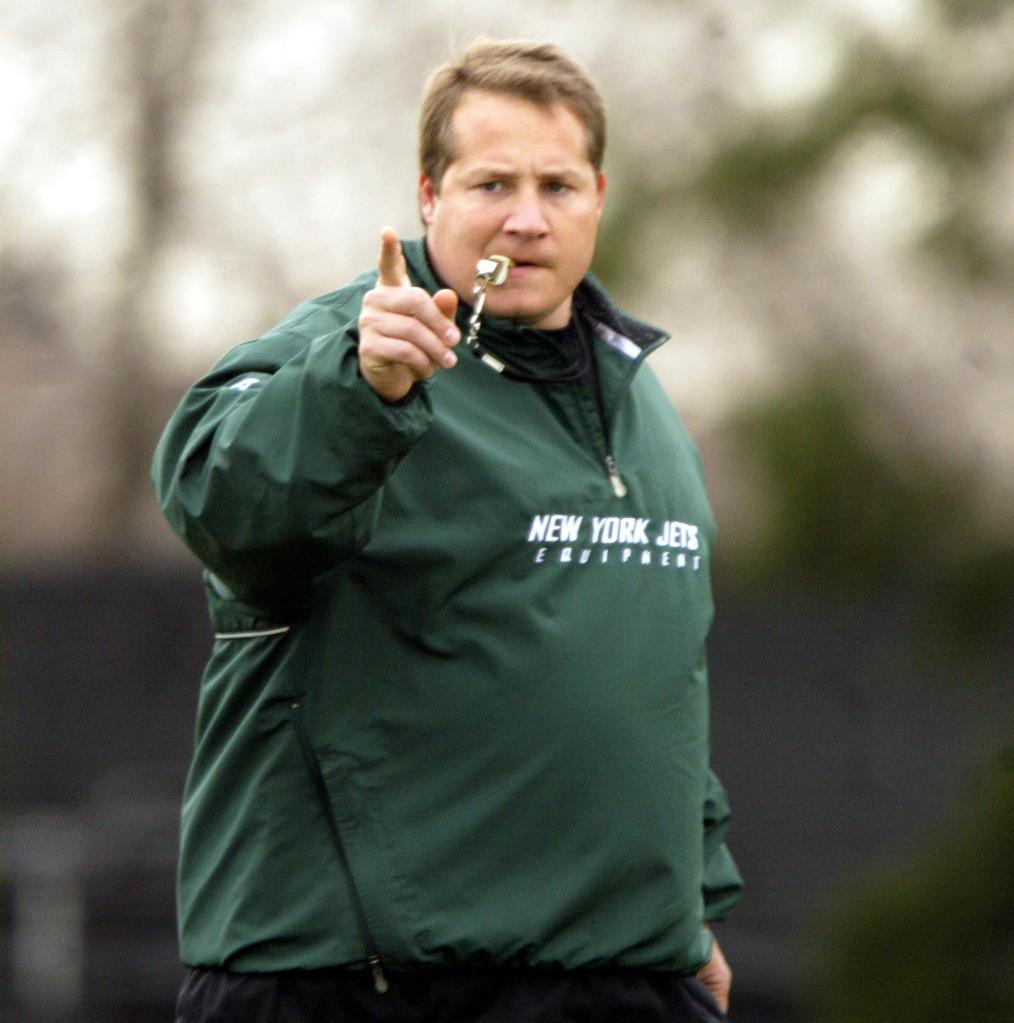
[723, 886]
[406, 399]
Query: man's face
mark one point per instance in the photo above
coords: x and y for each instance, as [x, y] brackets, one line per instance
[520, 186]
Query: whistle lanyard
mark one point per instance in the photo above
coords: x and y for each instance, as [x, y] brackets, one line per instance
[494, 271]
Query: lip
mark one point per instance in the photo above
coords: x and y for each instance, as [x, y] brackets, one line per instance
[524, 269]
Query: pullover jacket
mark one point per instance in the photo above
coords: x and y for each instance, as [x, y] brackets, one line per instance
[456, 707]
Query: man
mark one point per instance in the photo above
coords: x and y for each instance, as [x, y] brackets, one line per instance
[451, 758]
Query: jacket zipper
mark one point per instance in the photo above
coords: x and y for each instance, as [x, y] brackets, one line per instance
[592, 383]
[619, 487]
[380, 984]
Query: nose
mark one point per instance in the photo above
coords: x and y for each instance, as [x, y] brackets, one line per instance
[527, 218]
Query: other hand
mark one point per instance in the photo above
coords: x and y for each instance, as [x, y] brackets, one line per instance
[716, 976]
[405, 334]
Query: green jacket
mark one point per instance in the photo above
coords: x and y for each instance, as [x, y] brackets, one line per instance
[456, 709]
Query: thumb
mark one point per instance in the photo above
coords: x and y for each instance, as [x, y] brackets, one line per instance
[391, 262]
[447, 302]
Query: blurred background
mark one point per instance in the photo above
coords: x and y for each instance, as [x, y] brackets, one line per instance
[817, 200]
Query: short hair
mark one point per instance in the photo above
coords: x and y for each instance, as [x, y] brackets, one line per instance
[539, 72]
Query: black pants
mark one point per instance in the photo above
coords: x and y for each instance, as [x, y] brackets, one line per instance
[446, 996]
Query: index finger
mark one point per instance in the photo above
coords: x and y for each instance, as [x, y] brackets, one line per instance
[391, 264]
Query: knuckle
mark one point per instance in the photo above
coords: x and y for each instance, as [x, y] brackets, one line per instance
[369, 314]
[408, 353]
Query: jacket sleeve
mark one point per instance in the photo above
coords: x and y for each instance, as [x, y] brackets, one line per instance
[723, 886]
[272, 468]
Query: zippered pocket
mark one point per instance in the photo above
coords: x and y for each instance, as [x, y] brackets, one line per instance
[313, 768]
[275, 630]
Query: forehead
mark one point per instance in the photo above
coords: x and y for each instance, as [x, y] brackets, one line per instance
[487, 124]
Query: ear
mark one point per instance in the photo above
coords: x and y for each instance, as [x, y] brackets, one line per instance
[428, 198]
[600, 188]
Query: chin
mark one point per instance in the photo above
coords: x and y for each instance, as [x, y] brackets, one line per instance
[525, 313]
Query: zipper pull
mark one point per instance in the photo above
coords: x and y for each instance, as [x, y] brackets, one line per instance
[380, 984]
[619, 487]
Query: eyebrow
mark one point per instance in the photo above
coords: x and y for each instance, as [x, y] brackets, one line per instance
[491, 170]
[503, 171]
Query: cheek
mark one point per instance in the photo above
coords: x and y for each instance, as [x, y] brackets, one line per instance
[463, 220]
[480, 220]
[580, 237]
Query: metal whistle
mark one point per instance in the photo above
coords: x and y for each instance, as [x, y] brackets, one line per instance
[492, 270]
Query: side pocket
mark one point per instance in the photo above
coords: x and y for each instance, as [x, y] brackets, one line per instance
[320, 787]
[233, 618]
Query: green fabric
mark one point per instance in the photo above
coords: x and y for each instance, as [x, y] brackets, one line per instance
[722, 885]
[500, 662]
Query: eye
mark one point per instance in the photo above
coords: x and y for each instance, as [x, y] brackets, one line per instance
[491, 186]
[558, 187]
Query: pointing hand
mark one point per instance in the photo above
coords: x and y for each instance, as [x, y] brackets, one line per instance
[405, 334]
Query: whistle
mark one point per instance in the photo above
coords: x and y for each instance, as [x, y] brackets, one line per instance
[493, 269]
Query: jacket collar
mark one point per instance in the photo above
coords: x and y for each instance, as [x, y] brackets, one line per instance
[538, 349]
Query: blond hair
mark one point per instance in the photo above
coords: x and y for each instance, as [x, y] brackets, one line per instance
[539, 72]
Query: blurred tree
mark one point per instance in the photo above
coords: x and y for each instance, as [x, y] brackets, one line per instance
[851, 504]
[848, 510]
[156, 60]
[973, 11]
[762, 161]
